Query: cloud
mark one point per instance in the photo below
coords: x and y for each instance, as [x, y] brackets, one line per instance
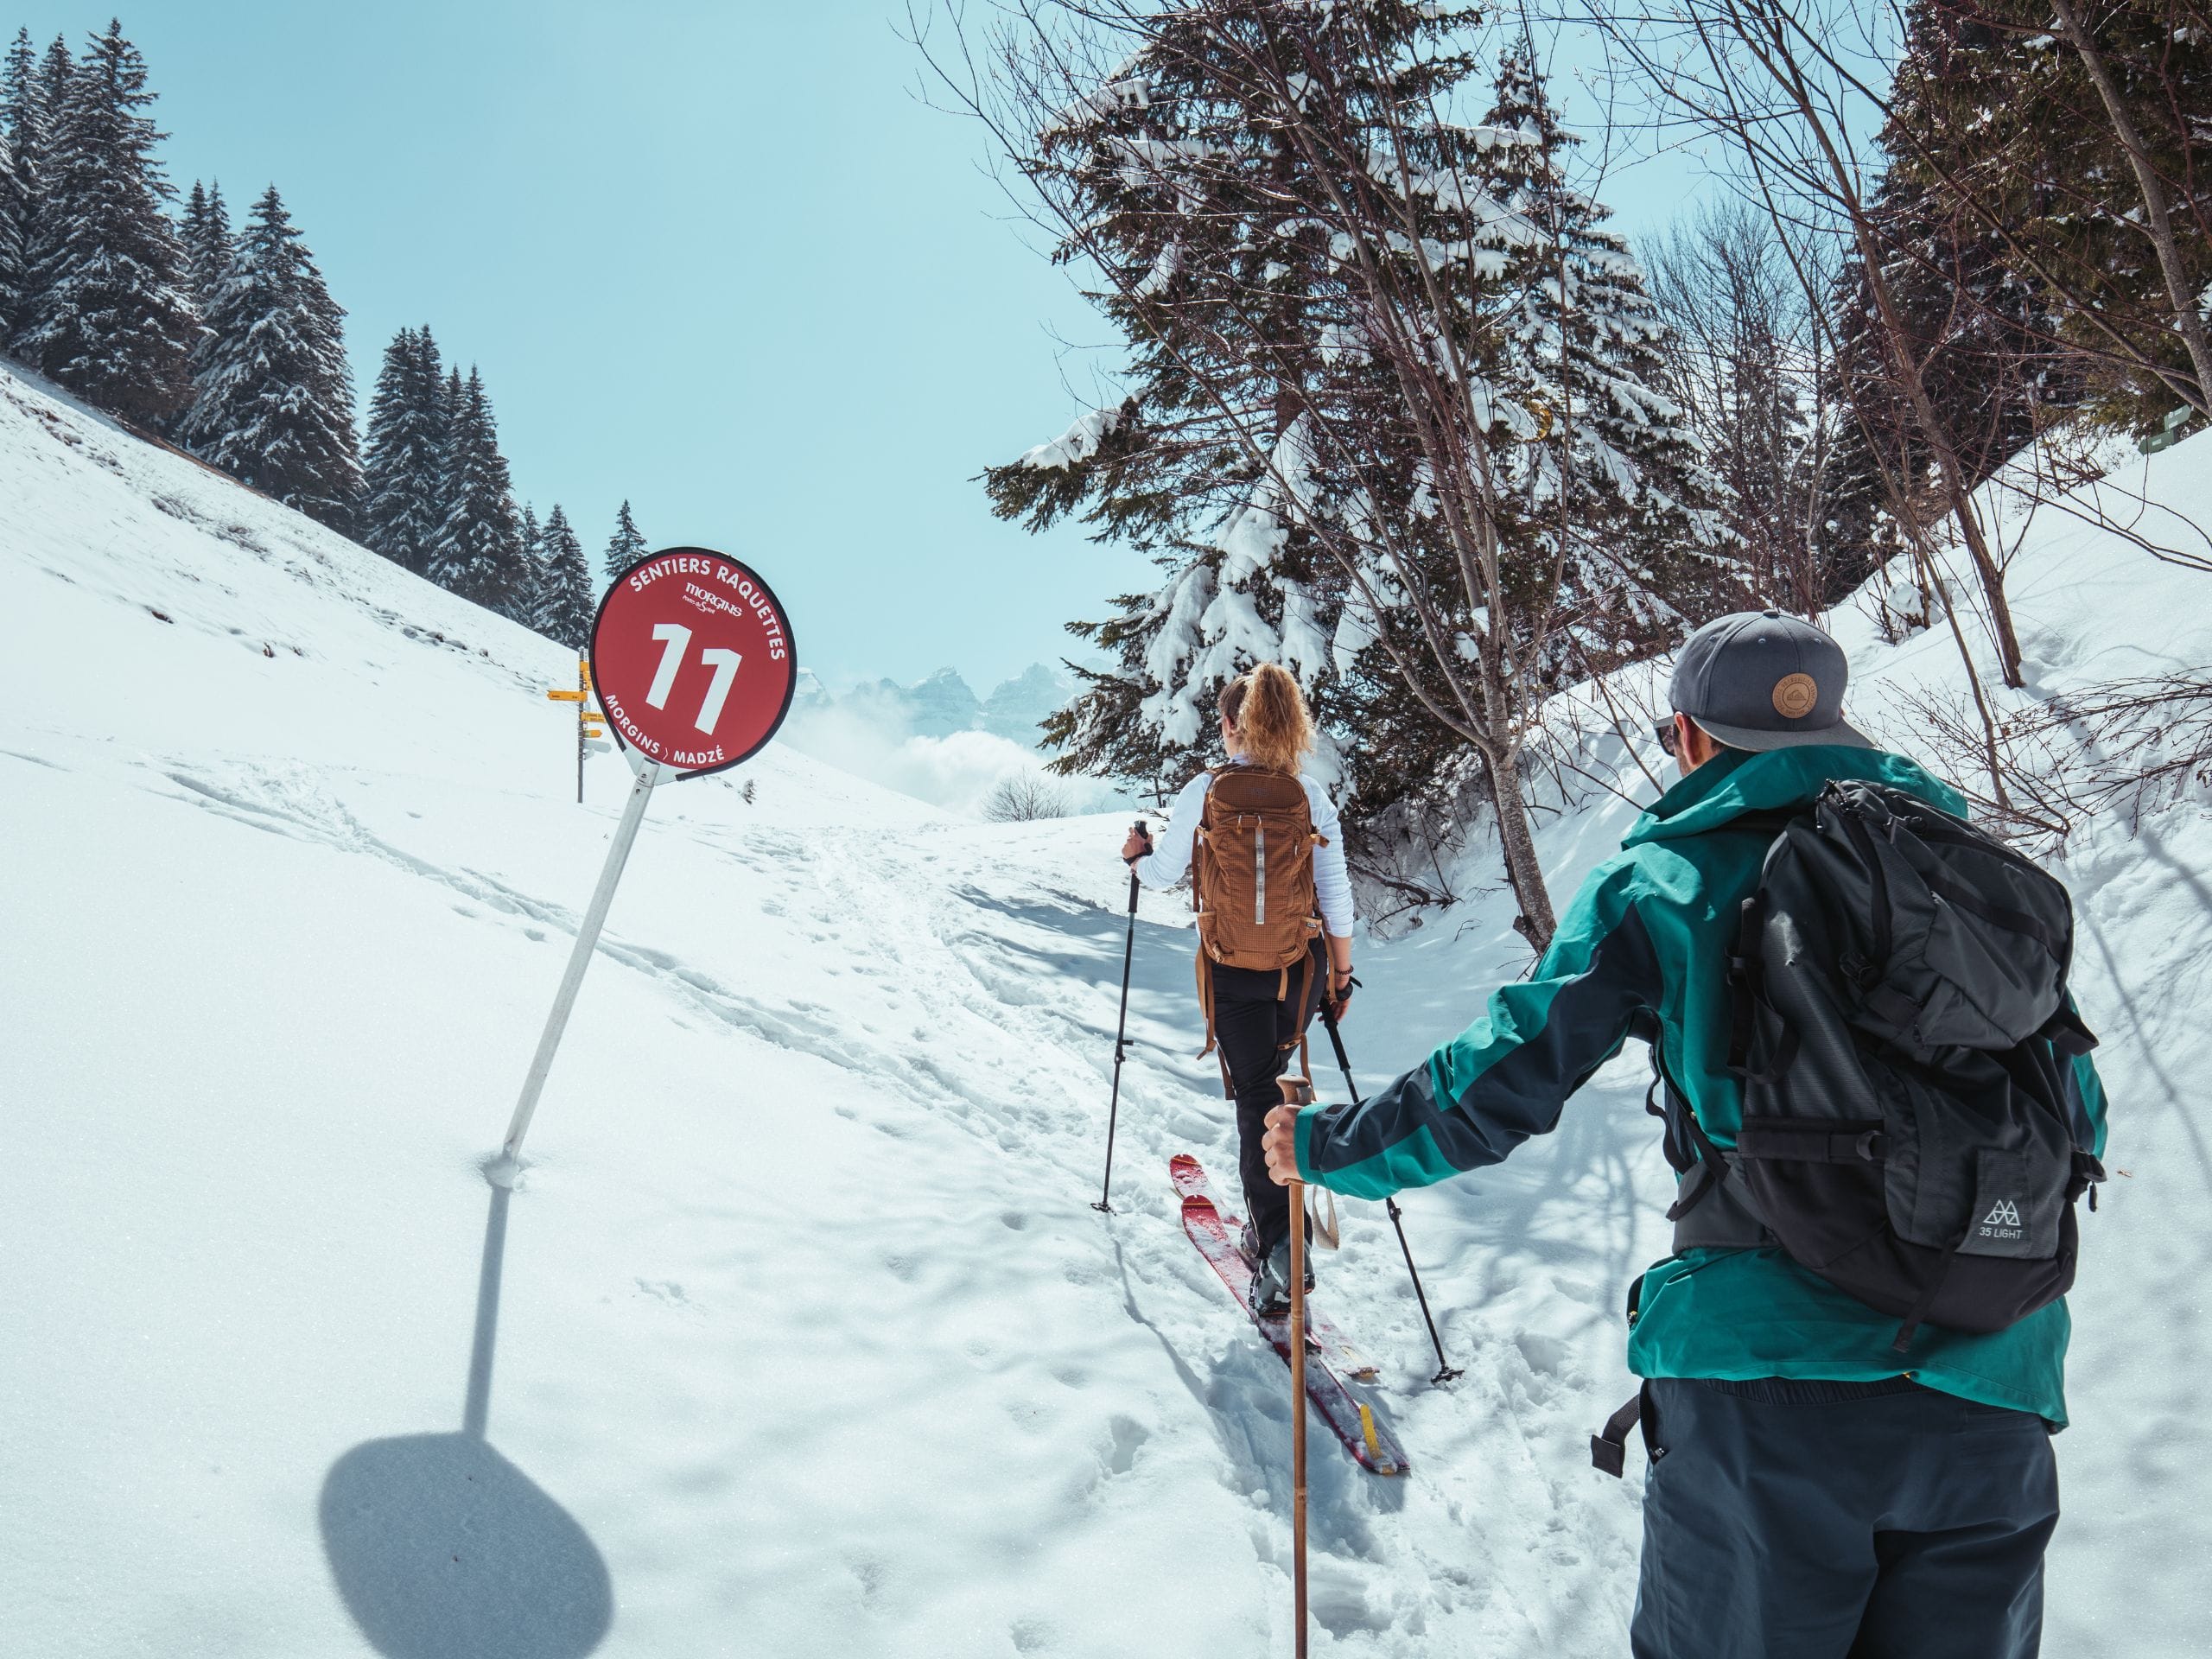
[957, 773]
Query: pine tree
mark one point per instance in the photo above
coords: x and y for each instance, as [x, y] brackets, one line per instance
[2012, 223]
[25, 129]
[208, 251]
[404, 504]
[19, 143]
[479, 553]
[566, 605]
[627, 547]
[56, 70]
[1211, 237]
[23, 100]
[531, 586]
[451, 395]
[275, 403]
[206, 232]
[1271, 454]
[1611, 479]
[109, 316]
[13, 203]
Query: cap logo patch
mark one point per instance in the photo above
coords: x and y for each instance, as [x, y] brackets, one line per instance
[1795, 695]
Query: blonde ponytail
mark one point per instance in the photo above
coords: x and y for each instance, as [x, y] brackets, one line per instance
[1268, 712]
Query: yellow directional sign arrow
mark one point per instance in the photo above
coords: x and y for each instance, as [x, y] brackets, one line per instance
[564, 697]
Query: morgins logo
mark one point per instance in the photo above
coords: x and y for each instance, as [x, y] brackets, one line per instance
[2003, 1220]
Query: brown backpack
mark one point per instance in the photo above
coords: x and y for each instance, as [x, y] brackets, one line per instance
[1252, 880]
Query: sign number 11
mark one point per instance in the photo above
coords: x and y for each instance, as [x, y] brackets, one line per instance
[674, 640]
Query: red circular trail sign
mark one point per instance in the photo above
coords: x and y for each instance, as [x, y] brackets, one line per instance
[691, 656]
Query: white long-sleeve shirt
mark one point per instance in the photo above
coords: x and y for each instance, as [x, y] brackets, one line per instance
[1163, 867]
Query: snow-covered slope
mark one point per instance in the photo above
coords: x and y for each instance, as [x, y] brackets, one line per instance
[798, 1336]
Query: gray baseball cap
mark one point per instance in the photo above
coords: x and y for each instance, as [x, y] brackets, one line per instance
[1760, 680]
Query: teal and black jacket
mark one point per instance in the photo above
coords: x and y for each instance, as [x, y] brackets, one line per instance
[1644, 944]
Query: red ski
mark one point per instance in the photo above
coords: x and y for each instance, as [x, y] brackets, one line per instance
[1353, 1420]
[1321, 1337]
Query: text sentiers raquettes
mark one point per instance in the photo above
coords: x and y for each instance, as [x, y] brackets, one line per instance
[755, 601]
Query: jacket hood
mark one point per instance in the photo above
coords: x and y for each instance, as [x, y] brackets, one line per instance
[1776, 780]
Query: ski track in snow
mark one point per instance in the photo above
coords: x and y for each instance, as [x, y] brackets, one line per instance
[1013, 1043]
[799, 1323]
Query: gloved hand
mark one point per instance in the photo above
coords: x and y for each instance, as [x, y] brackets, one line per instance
[1341, 986]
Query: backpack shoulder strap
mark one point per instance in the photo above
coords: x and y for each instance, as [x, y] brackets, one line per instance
[1769, 822]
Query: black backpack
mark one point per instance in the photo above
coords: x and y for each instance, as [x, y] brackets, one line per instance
[1900, 1021]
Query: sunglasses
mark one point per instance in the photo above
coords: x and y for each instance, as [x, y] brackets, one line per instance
[1664, 731]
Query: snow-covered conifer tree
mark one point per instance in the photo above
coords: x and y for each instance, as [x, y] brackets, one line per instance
[109, 316]
[628, 546]
[529, 588]
[208, 251]
[1332, 429]
[1611, 481]
[566, 602]
[404, 507]
[1211, 241]
[24, 131]
[205, 231]
[478, 553]
[275, 397]
[12, 203]
[56, 68]
[22, 99]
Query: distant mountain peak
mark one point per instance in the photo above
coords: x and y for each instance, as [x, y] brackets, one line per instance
[942, 702]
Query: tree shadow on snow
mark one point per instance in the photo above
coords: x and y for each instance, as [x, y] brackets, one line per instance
[444, 1549]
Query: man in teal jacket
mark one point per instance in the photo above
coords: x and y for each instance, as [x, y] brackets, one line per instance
[1807, 1497]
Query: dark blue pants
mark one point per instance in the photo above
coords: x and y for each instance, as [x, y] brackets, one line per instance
[1801, 1520]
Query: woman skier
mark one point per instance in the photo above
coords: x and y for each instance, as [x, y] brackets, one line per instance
[1261, 979]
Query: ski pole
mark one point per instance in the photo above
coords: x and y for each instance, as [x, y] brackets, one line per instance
[1298, 1410]
[1120, 1038]
[1445, 1371]
[1296, 1091]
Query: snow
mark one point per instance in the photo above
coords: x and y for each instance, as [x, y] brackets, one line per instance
[1078, 443]
[798, 1336]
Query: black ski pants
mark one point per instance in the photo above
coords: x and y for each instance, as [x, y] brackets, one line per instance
[1257, 1021]
[1841, 1521]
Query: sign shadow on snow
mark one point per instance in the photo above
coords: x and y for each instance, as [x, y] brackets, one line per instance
[442, 1549]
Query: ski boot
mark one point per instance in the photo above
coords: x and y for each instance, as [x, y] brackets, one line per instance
[1271, 1283]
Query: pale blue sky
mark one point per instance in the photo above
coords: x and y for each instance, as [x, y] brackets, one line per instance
[715, 258]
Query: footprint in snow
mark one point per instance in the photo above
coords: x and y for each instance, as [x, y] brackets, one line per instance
[669, 1294]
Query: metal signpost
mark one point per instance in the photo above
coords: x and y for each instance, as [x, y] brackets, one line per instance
[590, 720]
[691, 659]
